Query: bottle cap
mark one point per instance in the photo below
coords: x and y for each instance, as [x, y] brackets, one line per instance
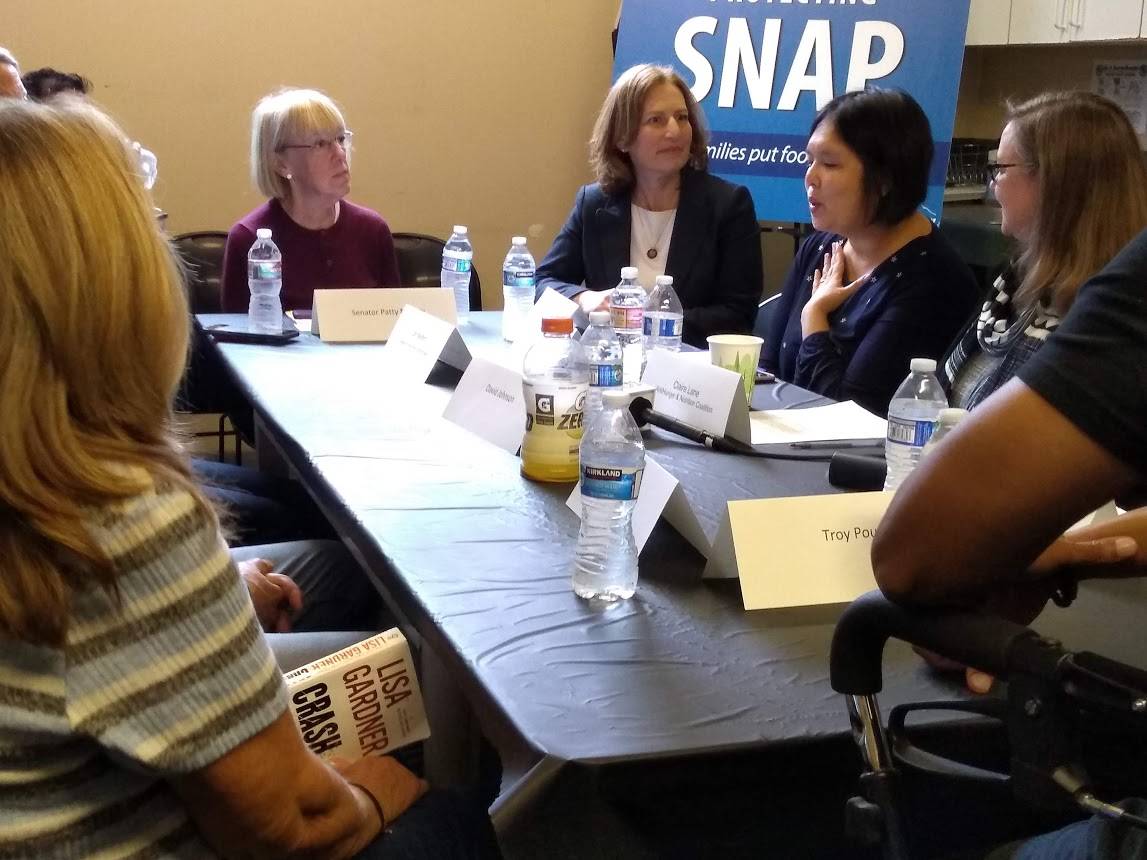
[263, 233]
[460, 230]
[599, 318]
[664, 280]
[951, 417]
[628, 273]
[518, 240]
[923, 365]
[557, 325]
[615, 397]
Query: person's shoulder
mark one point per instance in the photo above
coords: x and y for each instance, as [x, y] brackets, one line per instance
[934, 255]
[363, 217]
[721, 192]
[261, 216]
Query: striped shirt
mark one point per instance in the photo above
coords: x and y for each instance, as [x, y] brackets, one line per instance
[163, 681]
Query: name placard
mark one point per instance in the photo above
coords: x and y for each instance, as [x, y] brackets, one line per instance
[488, 402]
[419, 340]
[369, 315]
[804, 551]
[699, 393]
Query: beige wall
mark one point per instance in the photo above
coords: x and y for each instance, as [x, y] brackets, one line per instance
[464, 112]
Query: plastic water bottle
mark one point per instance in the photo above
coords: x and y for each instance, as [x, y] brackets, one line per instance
[612, 462]
[945, 423]
[457, 263]
[265, 279]
[603, 352]
[518, 281]
[555, 379]
[627, 313]
[664, 317]
[912, 415]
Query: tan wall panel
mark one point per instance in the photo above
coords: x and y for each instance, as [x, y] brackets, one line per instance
[463, 112]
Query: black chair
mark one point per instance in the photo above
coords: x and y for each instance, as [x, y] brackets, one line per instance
[420, 264]
[1064, 713]
[766, 310]
[202, 255]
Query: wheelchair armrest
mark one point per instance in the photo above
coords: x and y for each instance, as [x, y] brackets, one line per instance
[991, 644]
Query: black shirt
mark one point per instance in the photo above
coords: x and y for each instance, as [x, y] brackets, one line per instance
[1093, 370]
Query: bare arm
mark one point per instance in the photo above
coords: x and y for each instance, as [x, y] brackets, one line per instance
[271, 797]
[977, 512]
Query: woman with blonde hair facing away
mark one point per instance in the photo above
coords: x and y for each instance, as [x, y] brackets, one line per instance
[141, 711]
[655, 206]
[1072, 189]
[300, 159]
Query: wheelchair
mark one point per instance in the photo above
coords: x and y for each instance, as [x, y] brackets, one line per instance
[1066, 739]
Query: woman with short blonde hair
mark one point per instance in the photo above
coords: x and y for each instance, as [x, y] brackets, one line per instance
[300, 160]
[143, 713]
[655, 206]
[1072, 188]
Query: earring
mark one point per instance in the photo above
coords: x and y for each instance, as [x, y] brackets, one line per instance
[288, 177]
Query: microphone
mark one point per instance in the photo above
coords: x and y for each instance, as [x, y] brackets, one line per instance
[642, 411]
[854, 472]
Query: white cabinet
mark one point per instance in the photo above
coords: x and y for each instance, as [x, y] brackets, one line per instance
[1036, 22]
[988, 22]
[1094, 20]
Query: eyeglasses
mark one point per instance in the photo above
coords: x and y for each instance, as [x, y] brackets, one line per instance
[994, 168]
[326, 144]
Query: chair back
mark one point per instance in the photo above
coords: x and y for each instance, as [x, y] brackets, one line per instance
[202, 254]
[766, 310]
[420, 264]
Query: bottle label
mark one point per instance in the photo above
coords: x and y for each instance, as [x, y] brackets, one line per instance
[264, 270]
[457, 261]
[666, 326]
[604, 375]
[626, 319]
[903, 431]
[519, 278]
[619, 484]
[555, 410]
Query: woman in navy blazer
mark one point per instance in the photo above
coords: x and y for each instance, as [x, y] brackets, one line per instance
[655, 207]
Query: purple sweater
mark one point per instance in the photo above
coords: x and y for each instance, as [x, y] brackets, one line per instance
[356, 251]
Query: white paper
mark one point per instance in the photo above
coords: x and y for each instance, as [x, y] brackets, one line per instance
[657, 485]
[700, 395]
[418, 340]
[1125, 83]
[488, 402]
[815, 424]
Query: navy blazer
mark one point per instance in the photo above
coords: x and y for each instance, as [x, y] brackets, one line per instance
[714, 253]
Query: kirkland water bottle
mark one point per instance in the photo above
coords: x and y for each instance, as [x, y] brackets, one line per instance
[612, 461]
[945, 423]
[664, 317]
[912, 415]
[554, 383]
[265, 278]
[518, 281]
[603, 352]
[457, 262]
[627, 313]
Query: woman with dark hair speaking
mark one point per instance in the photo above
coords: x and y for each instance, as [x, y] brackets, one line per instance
[876, 285]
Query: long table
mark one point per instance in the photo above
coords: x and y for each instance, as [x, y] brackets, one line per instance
[674, 724]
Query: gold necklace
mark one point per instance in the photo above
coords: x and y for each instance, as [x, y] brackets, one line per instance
[652, 251]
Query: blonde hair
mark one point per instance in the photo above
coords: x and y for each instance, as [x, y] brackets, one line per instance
[94, 332]
[1092, 190]
[620, 120]
[282, 118]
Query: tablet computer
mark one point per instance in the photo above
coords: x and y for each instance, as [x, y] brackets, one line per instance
[241, 332]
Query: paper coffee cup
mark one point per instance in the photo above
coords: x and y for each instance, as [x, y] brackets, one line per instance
[738, 353]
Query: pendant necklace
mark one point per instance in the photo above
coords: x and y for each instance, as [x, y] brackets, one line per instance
[652, 252]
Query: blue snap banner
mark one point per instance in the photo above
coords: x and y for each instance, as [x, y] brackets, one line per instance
[762, 68]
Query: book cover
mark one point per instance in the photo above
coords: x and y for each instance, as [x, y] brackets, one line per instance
[362, 700]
